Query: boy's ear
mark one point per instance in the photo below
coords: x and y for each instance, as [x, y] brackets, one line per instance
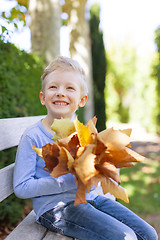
[42, 98]
[83, 101]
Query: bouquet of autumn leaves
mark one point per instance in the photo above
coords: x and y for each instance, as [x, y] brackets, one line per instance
[91, 156]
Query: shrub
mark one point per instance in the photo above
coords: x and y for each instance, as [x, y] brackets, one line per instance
[20, 84]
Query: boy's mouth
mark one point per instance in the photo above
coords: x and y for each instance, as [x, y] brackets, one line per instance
[60, 103]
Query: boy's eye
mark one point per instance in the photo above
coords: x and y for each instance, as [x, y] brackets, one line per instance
[70, 88]
[52, 86]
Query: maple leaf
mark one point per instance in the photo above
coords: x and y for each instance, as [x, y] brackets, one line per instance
[92, 125]
[62, 167]
[71, 143]
[120, 157]
[70, 160]
[119, 192]
[108, 170]
[37, 150]
[50, 154]
[114, 138]
[80, 193]
[63, 128]
[83, 133]
[85, 164]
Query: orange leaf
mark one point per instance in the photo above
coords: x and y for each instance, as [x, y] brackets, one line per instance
[100, 147]
[93, 181]
[114, 138]
[70, 160]
[108, 170]
[85, 164]
[91, 126]
[81, 192]
[62, 167]
[71, 143]
[119, 192]
[121, 156]
[50, 154]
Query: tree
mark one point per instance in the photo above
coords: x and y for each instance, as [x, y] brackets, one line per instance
[80, 44]
[45, 25]
[45, 28]
[99, 65]
[16, 14]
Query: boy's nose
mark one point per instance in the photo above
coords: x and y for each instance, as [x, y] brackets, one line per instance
[60, 93]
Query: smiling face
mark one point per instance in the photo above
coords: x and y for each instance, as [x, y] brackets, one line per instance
[62, 94]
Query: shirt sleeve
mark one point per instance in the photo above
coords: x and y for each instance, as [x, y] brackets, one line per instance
[25, 182]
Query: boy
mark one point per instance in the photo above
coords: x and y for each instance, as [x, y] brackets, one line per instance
[63, 91]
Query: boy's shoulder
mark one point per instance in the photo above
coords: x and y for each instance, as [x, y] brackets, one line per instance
[37, 130]
[33, 129]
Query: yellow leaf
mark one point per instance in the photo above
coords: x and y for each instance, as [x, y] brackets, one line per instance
[83, 133]
[119, 192]
[37, 150]
[63, 128]
[127, 131]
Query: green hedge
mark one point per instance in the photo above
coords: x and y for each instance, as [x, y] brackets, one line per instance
[19, 82]
[20, 85]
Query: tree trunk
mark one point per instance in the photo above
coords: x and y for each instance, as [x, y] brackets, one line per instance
[80, 45]
[45, 28]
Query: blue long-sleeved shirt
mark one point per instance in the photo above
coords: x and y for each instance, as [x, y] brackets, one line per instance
[31, 181]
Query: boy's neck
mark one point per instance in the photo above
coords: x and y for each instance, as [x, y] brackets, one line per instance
[46, 122]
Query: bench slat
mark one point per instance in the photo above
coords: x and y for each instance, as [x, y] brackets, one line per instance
[6, 181]
[49, 236]
[28, 229]
[11, 130]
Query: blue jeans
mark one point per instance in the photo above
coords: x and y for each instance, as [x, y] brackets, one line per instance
[100, 219]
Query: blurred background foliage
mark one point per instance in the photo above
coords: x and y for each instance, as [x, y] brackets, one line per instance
[99, 66]
[130, 88]
[20, 85]
[126, 88]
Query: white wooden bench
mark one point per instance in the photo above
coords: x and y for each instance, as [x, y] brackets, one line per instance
[11, 130]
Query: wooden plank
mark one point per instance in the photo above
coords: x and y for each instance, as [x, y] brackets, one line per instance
[51, 235]
[6, 181]
[28, 229]
[11, 130]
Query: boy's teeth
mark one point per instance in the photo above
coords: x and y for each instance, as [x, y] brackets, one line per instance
[60, 103]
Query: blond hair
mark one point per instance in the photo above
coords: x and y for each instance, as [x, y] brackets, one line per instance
[62, 63]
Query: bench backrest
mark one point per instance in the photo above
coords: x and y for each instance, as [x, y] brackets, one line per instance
[11, 130]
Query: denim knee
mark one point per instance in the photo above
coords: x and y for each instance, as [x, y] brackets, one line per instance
[149, 234]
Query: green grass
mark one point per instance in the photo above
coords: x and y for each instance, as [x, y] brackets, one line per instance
[142, 183]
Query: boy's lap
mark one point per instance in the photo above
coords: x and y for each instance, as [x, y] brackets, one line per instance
[85, 221]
